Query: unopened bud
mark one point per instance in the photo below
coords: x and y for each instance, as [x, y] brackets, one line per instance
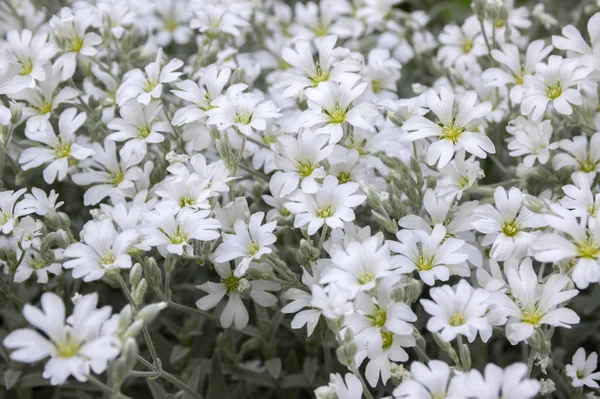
[135, 274]
[152, 273]
[149, 312]
[140, 292]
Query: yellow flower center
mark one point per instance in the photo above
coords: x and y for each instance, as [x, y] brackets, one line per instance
[467, 46]
[378, 318]
[37, 264]
[387, 339]
[253, 248]
[231, 283]
[183, 201]
[243, 117]
[321, 30]
[588, 249]
[67, 348]
[75, 45]
[62, 149]
[533, 317]
[179, 237]
[343, 177]
[144, 132]
[456, 320]
[510, 228]
[150, 85]
[499, 23]
[46, 108]
[554, 91]
[324, 213]
[320, 76]
[451, 133]
[338, 115]
[366, 278]
[587, 165]
[305, 168]
[284, 211]
[116, 177]
[171, 25]
[376, 86]
[27, 66]
[108, 259]
[425, 263]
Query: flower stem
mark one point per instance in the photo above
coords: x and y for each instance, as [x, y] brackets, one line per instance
[170, 377]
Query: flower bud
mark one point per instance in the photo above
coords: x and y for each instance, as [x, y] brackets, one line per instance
[149, 312]
[152, 273]
[135, 274]
[140, 292]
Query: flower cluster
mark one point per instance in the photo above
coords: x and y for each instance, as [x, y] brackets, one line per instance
[340, 199]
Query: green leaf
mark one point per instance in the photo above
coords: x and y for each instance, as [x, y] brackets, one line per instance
[193, 382]
[310, 367]
[178, 353]
[274, 367]
[295, 381]
[11, 377]
[157, 391]
[216, 382]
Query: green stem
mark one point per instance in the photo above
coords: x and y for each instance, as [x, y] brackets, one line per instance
[169, 377]
[145, 330]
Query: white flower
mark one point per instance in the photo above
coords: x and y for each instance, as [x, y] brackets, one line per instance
[581, 245]
[146, 86]
[351, 388]
[170, 229]
[27, 232]
[31, 52]
[498, 383]
[582, 369]
[334, 301]
[509, 57]
[102, 251]
[578, 155]
[461, 46]
[359, 265]
[70, 30]
[107, 175]
[201, 95]
[35, 263]
[506, 225]
[454, 129]
[213, 19]
[11, 209]
[301, 301]
[434, 256]
[74, 347]
[247, 112]
[572, 40]
[333, 64]
[458, 310]
[553, 82]
[215, 174]
[331, 204]
[42, 202]
[61, 150]
[333, 105]
[457, 176]
[532, 304]
[429, 381]
[532, 139]
[300, 161]
[138, 126]
[250, 242]
[579, 196]
[235, 288]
